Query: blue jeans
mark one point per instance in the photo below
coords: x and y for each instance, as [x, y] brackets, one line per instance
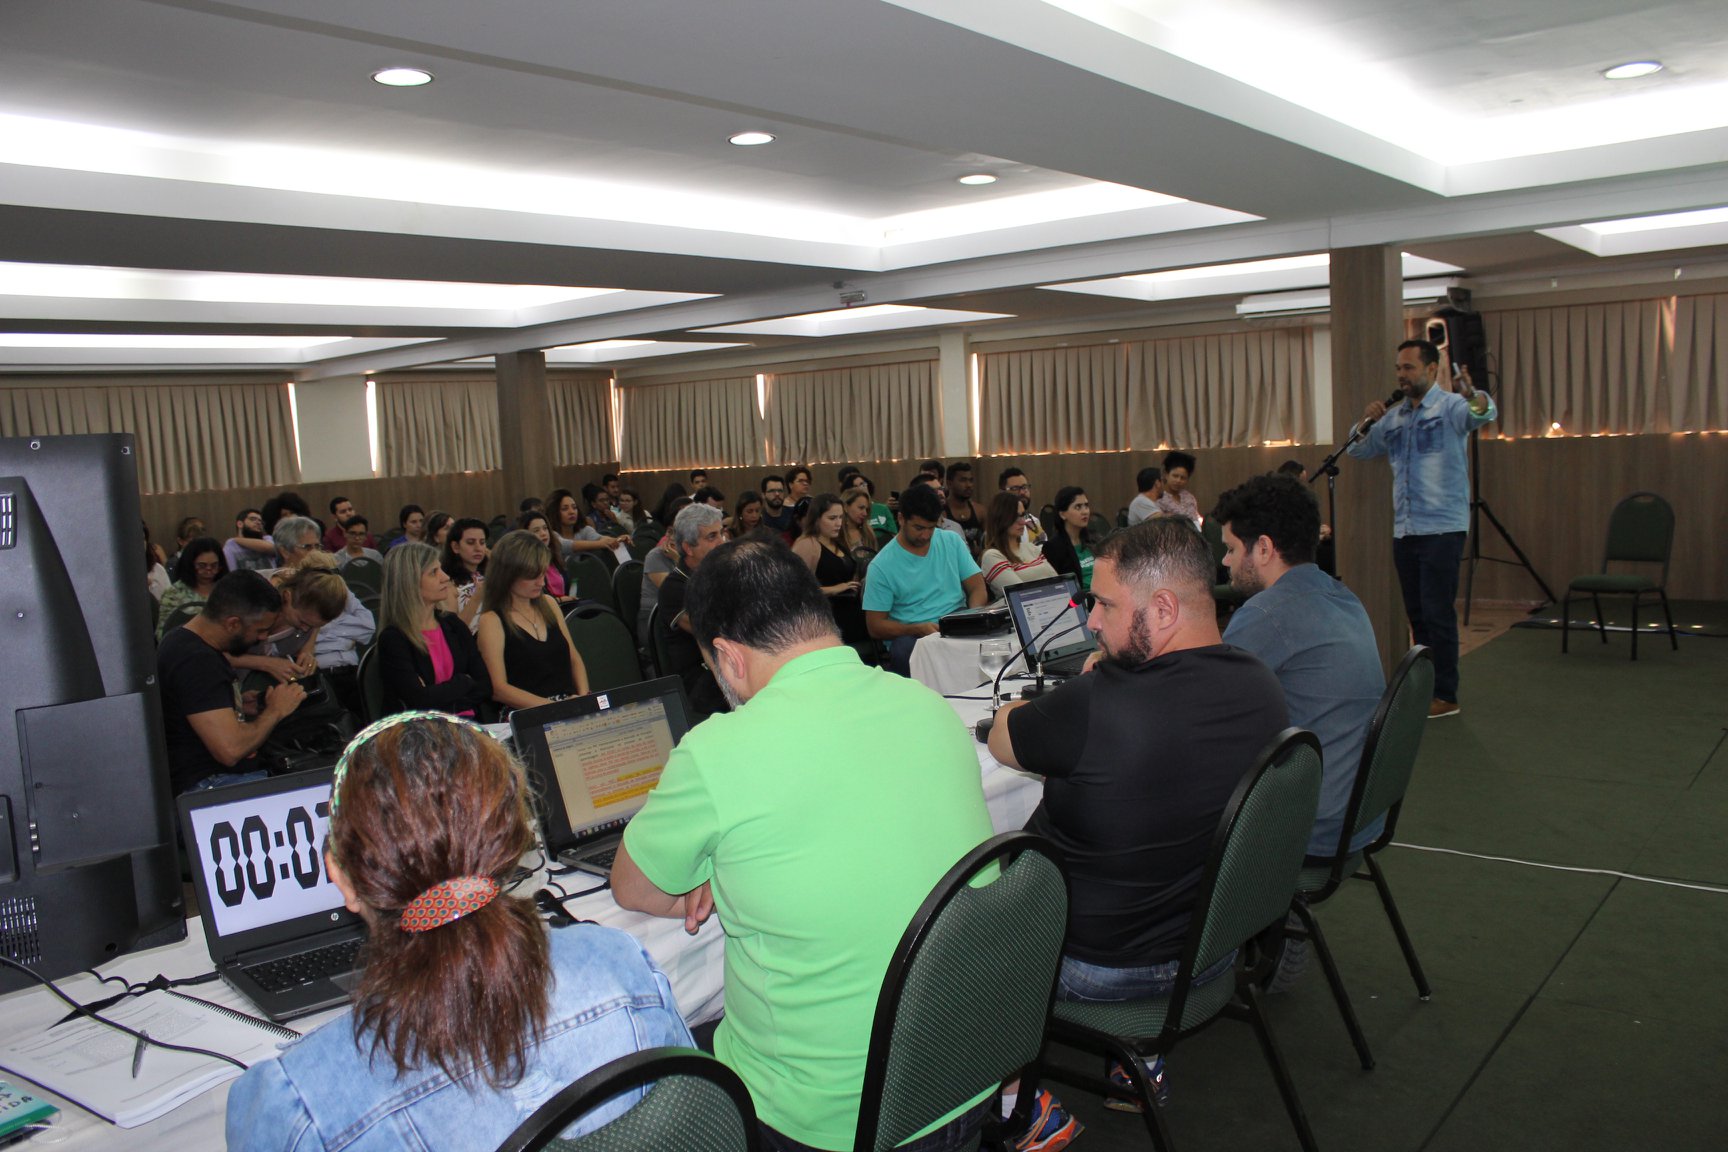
[1079, 980]
[223, 779]
[1428, 574]
[899, 660]
[957, 1135]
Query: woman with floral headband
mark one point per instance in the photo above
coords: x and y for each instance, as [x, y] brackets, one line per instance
[468, 1014]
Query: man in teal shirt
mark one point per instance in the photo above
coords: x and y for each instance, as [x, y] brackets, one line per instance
[814, 851]
[919, 577]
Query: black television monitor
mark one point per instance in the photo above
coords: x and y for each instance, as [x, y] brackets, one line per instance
[88, 868]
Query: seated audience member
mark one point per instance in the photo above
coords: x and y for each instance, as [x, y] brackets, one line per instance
[412, 520]
[933, 469]
[156, 577]
[427, 657]
[856, 534]
[1177, 500]
[832, 563]
[531, 504]
[536, 525]
[438, 525]
[1326, 555]
[963, 510]
[627, 509]
[528, 651]
[925, 480]
[283, 505]
[571, 532]
[312, 597]
[1015, 481]
[336, 536]
[250, 549]
[469, 1012]
[463, 555]
[1140, 756]
[710, 495]
[1008, 559]
[843, 478]
[664, 510]
[1308, 628]
[695, 533]
[211, 728]
[746, 515]
[656, 566]
[798, 495]
[599, 515]
[776, 513]
[882, 521]
[1069, 549]
[1149, 486]
[191, 528]
[917, 578]
[698, 478]
[195, 573]
[742, 806]
[356, 542]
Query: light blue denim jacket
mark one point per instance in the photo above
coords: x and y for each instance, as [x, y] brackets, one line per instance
[608, 1000]
[1430, 473]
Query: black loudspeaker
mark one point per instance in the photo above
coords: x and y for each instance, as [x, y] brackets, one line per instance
[1462, 341]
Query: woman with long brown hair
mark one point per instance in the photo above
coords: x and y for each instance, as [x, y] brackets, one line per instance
[524, 641]
[468, 1014]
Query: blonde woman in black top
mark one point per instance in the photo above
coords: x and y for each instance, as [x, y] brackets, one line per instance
[523, 640]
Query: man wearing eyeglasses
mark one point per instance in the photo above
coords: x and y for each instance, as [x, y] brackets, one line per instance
[1013, 480]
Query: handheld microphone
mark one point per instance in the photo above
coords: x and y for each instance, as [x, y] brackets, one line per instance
[1392, 402]
[982, 729]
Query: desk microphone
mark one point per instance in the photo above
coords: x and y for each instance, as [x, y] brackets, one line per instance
[982, 729]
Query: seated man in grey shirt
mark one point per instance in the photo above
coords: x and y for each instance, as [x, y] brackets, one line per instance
[1150, 483]
[1308, 628]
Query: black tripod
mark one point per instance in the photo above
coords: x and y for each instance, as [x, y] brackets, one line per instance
[1479, 508]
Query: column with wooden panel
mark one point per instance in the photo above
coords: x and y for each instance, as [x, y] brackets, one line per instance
[524, 425]
[1367, 326]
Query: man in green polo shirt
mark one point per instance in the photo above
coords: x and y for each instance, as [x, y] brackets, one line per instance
[814, 852]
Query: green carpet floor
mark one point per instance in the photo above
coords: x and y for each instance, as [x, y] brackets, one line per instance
[1697, 617]
[1572, 1010]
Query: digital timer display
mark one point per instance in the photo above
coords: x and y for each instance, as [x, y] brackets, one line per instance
[263, 858]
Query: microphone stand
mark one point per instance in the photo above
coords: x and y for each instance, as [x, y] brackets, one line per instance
[1329, 469]
[982, 729]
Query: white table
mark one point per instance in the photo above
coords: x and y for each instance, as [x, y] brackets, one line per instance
[692, 963]
[949, 664]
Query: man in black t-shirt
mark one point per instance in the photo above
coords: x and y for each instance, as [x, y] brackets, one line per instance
[1140, 756]
[213, 730]
[696, 531]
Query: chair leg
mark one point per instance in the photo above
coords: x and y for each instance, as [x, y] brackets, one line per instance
[1280, 1071]
[1330, 967]
[1635, 598]
[1565, 618]
[1673, 637]
[1386, 901]
[1601, 621]
[1135, 1063]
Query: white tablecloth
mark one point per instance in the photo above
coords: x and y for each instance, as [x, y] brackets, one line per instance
[950, 664]
[693, 964]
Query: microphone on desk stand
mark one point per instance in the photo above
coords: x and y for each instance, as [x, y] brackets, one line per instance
[982, 729]
[1036, 689]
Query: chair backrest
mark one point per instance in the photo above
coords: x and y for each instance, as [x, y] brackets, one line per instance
[1640, 530]
[1389, 750]
[1213, 532]
[657, 640]
[627, 591]
[363, 574]
[608, 652]
[590, 579]
[645, 537]
[181, 615]
[371, 678]
[1253, 864]
[1047, 517]
[968, 991]
[697, 1104]
[1122, 517]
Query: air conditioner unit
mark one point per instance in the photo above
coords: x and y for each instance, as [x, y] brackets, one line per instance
[1317, 301]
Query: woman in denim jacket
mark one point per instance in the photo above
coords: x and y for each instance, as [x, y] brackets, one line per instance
[469, 1014]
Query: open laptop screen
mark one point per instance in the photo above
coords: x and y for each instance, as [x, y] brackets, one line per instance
[1035, 605]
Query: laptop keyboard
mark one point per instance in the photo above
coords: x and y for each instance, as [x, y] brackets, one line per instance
[600, 859]
[306, 967]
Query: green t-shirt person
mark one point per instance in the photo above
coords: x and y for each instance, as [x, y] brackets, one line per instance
[1085, 556]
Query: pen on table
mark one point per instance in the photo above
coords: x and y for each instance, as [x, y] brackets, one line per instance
[138, 1053]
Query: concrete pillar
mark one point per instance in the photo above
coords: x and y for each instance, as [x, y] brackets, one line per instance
[1367, 325]
[333, 429]
[951, 367]
[524, 424]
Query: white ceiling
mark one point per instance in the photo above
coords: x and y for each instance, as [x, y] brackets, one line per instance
[584, 145]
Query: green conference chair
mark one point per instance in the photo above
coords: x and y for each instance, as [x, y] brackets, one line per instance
[627, 591]
[1388, 761]
[960, 1009]
[363, 575]
[604, 643]
[371, 678]
[1640, 531]
[659, 643]
[696, 1104]
[1223, 591]
[589, 579]
[1246, 889]
[181, 615]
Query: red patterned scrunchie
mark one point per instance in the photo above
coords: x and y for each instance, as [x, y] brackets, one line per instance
[447, 901]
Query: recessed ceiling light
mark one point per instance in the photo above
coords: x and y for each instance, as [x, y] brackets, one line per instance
[751, 139]
[1632, 70]
[978, 178]
[402, 77]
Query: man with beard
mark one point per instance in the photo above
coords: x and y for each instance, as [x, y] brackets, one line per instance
[1308, 628]
[1140, 756]
[776, 513]
[213, 730]
[966, 513]
[250, 549]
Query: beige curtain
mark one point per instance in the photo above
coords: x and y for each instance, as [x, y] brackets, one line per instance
[581, 417]
[1698, 368]
[872, 412]
[1588, 367]
[1230, 390]
[1054, 400]
[190, 436]
[434, 427]
[702, 423]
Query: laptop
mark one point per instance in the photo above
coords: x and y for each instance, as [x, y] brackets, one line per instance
[1034, 606]
[593, 760]
[273, 921]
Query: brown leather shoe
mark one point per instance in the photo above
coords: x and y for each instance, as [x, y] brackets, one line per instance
[1438, 708]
